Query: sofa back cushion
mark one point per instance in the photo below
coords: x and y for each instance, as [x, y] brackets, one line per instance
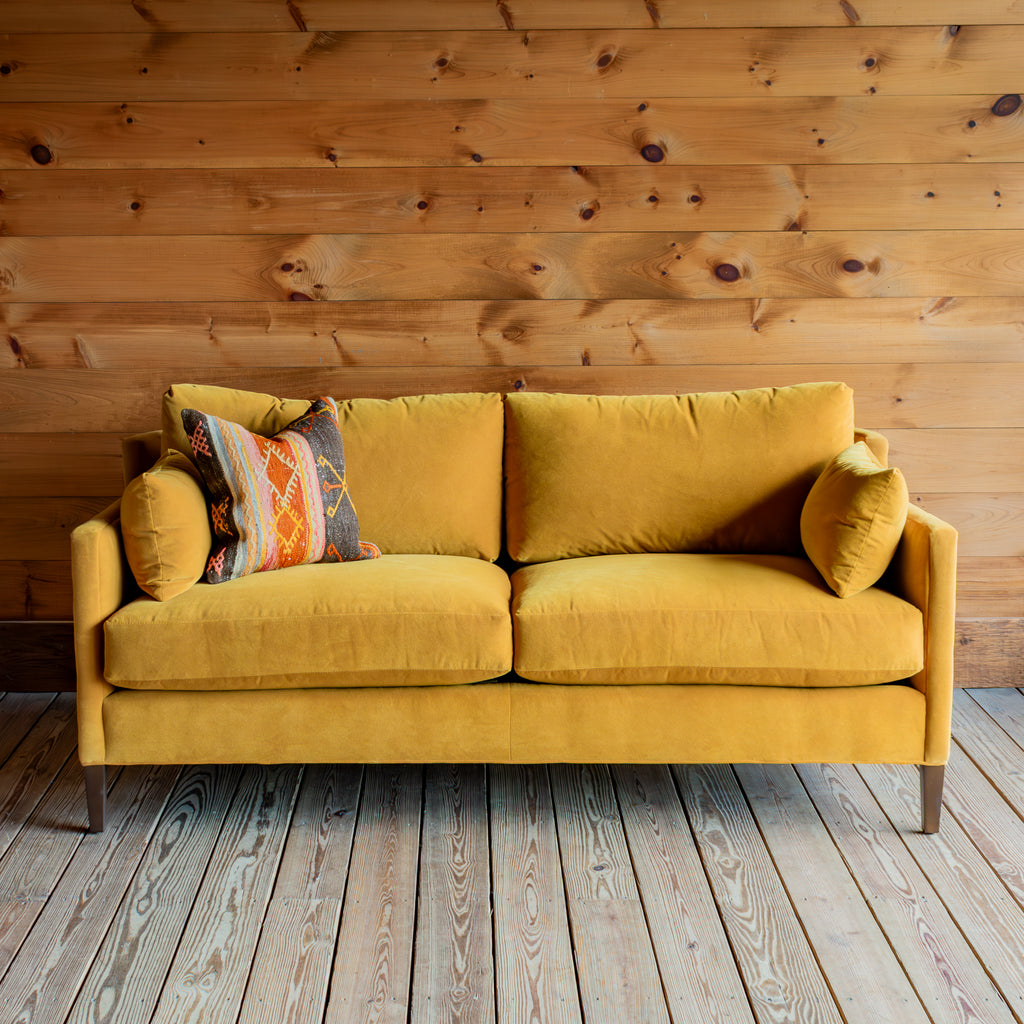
[424, 472]
[712, 472]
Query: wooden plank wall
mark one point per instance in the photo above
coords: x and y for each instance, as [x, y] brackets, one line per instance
[377, 198]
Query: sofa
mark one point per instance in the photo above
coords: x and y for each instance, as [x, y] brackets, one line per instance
[521, 578]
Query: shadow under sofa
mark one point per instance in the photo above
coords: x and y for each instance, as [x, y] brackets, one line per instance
[563, 578]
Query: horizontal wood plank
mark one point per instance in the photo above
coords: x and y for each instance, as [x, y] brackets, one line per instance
[74, 464]
[892, 398]
[990, 587]
[545, 265]
[989, 651]
[36, 657]
[35, 590]
[511, 132]
[40, 528]
[479, 199]
[990, 525]
[192, 336]
[599, 62]
[412, 15]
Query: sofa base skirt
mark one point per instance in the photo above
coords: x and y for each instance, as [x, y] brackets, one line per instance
[518, 723]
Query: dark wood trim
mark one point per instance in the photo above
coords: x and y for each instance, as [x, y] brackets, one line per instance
[37, 657]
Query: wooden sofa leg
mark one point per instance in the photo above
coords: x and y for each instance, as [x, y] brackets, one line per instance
[932, 776]
[96, 795]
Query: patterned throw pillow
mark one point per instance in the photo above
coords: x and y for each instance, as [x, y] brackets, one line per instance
[276, 501]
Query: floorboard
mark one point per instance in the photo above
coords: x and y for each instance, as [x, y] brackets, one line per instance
[562, 894]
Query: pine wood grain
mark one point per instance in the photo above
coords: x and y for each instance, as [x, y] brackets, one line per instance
[61, 462]
[967, 406]
[20, 712]
[970, 890]
[351, 15]
[535, 976]
[27, 771]
[942, 967]
[990, 587]
[315, 860]
[57, 953]
[780, 972]
[128, 972]
[190, 336]
[980, 778]
[453, 977]
[605, 912]
[292, 967]
[40, 528]
[698, 972]
[613, 987]
[240, 65]
[427, 199]
[1008, 707]
[373, 964]
[989, 651]
[203, 980]
[615, 265]
[846, 938]
[511, 132]
[35, 590]
[989, 525]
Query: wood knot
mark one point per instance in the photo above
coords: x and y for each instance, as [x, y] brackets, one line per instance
[605, 59]
[5, 69]
[652, 153]
[853, 266]
[135, 205]
[587, 213]
[477, 158]
[287, 268]
[519, 384]
[41, 154]
[1006, 105]
[300, 297]
[422, 204]
[727, 272]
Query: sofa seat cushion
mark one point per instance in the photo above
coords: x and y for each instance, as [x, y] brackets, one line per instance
[697, 618]
[396, 620]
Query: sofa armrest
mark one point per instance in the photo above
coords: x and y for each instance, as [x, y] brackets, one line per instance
[923, 571]
[99, 579]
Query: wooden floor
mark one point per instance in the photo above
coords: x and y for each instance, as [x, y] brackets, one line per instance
[523, 894]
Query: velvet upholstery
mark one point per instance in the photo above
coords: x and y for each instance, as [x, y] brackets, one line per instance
[718, 472]
[399, 619]
[759, 620]
[686, 552]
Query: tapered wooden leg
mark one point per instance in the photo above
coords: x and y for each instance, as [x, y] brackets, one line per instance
[932, 776]
[96, 795]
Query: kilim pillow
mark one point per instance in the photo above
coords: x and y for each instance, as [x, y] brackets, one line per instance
[275, 501]
[853, 519]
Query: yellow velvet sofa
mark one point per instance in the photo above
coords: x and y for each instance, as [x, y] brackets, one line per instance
[719, 577]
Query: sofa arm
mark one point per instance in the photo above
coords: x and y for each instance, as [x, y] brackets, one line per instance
[923, 571]
[99, 576]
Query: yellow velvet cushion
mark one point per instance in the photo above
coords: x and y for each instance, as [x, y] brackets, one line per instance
[262, 414]
[398, 620]
[425, 470]
[589, 475]
[762, 620]
[165, 527]
[853, 519]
